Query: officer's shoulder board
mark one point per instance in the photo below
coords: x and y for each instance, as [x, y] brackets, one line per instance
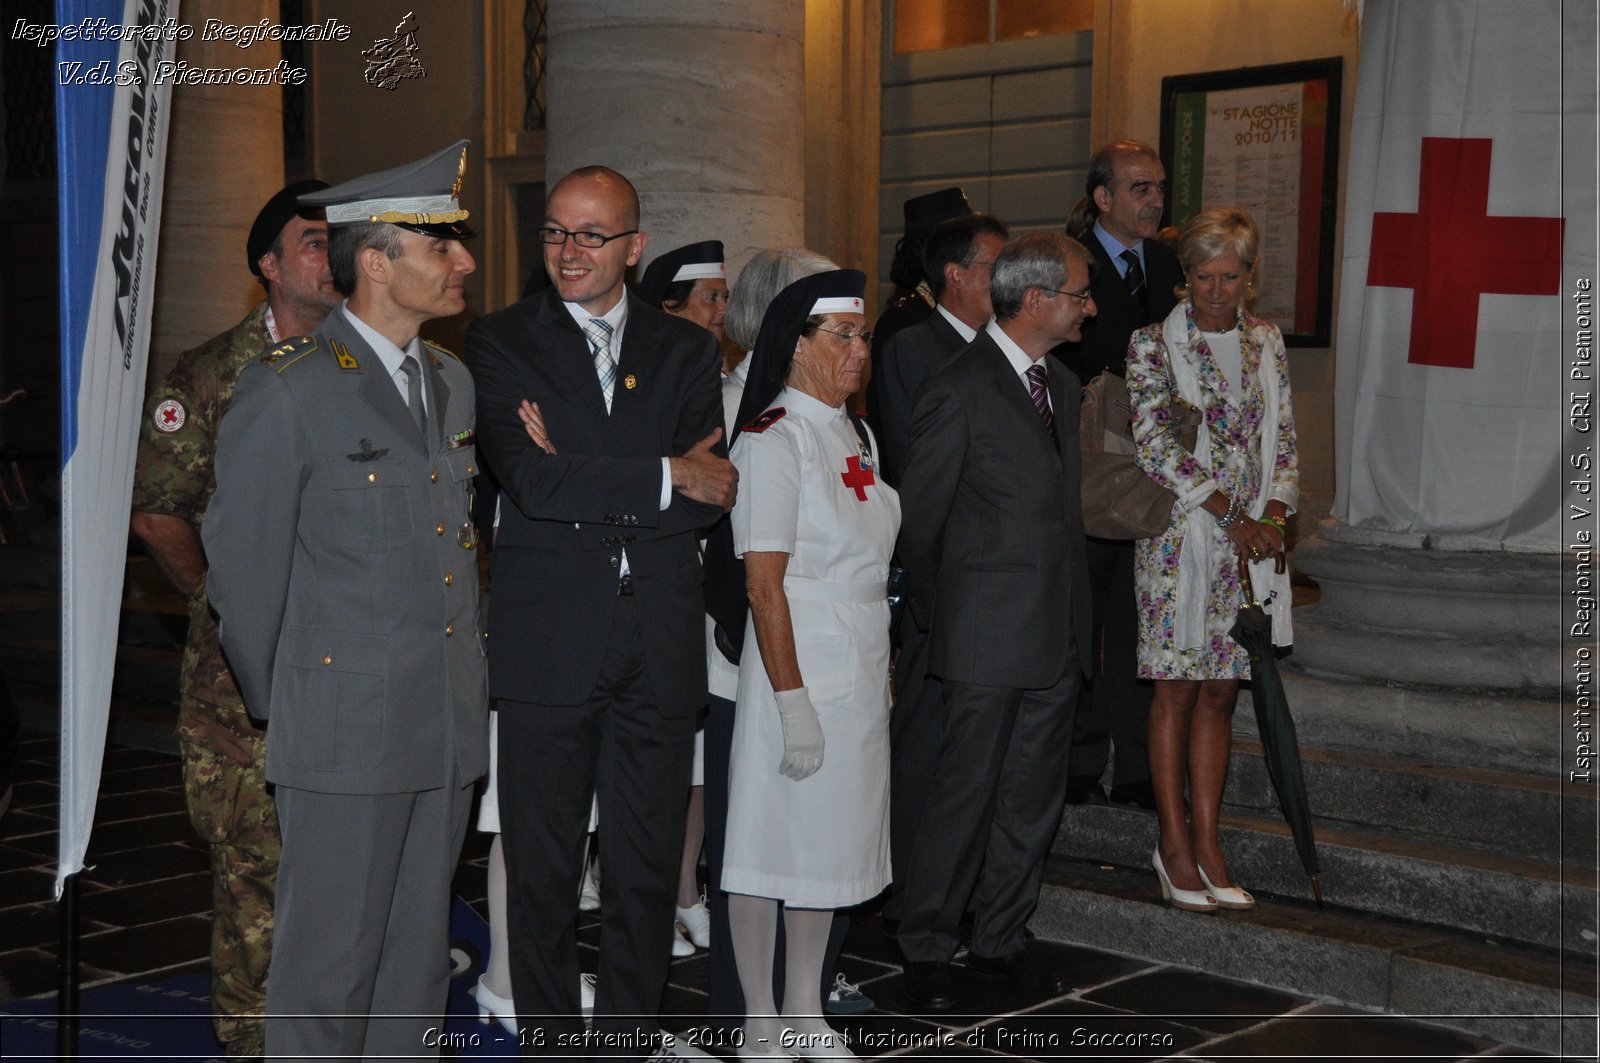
[289, 352]
[766, 420]
[441, 350]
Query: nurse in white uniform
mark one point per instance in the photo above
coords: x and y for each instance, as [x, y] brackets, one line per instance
[808, 819]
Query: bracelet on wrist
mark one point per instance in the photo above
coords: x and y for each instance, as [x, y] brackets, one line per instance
[1274, 522]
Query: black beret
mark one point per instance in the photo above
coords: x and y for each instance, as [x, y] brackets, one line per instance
[273, 217]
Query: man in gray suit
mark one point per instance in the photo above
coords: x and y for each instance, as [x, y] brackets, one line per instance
[344, 570]
[993, 544]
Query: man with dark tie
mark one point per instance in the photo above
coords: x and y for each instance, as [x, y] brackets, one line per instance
[992, 542]
[1134, 278]
[913, 299]
[597, 652]
[958, 260]
[344, 570]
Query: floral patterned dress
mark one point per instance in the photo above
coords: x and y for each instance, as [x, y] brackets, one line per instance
[1232, 456]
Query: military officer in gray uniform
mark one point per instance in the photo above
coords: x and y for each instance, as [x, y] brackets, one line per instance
[344, 571]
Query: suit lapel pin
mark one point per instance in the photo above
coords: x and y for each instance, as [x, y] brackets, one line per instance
[630, 381]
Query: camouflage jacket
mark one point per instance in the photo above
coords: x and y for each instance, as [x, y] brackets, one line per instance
[175, 476]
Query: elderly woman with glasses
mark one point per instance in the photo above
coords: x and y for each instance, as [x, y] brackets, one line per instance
[808, 820]
[1233, 493]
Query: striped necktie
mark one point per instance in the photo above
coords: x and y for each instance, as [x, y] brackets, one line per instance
[1041, 396]
[605, 366]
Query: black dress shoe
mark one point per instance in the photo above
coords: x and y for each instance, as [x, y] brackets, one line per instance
[1137, 794]
[1022, 969]
[1085, 792]
[929, 985]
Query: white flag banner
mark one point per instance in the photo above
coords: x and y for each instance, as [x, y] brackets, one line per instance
[111, 139]
[1459, 247]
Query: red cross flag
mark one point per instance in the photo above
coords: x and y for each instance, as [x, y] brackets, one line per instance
[1469, 216]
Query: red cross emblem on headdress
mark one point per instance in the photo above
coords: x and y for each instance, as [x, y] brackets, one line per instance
[857, 478]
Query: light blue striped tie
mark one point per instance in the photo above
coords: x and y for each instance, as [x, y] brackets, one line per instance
[599, 332]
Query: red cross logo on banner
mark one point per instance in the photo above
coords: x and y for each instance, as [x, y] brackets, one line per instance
[857, 478]
[1452, 250]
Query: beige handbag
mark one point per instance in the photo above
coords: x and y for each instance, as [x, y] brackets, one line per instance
[1120, 501]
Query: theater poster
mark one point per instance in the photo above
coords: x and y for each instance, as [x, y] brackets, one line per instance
[1265, 139]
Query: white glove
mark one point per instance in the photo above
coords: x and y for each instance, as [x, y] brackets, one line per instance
[802, 733]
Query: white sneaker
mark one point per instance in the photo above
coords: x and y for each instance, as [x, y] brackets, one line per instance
[696, 919]
[681, 946]
[846, 998]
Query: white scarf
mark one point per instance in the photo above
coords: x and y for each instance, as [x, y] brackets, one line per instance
[1196, 562]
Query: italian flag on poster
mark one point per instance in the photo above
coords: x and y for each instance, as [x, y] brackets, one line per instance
[1260, 149]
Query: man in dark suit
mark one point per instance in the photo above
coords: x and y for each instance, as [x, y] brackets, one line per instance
[912, 300]
[992, 540]
[343, 567]
[958, 261]
[598, 651]
[1133, 283]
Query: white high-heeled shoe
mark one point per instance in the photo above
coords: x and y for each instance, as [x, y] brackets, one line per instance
[494, 1008]
[1227, 896]
[1188, 900]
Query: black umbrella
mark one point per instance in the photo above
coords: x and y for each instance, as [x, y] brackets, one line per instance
[1279, 743]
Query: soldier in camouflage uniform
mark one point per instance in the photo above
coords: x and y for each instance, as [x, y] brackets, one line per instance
[224, 751]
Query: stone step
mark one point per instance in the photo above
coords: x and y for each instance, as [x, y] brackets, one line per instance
[1339, 648]
[1463, 728]
[1510, 991]
[1509, 813]
[1533, 901]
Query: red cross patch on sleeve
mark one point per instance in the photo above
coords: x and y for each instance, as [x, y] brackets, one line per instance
[169, 415]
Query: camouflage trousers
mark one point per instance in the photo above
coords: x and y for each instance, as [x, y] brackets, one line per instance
[231, 810]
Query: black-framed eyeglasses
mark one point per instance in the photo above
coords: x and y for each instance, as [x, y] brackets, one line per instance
[550, 234]
[865, 335]
[1082, 297]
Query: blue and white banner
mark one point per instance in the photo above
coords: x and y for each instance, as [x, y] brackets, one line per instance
[111, 147]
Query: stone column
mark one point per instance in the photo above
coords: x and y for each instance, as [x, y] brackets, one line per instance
[224, 160]
[701, 103]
